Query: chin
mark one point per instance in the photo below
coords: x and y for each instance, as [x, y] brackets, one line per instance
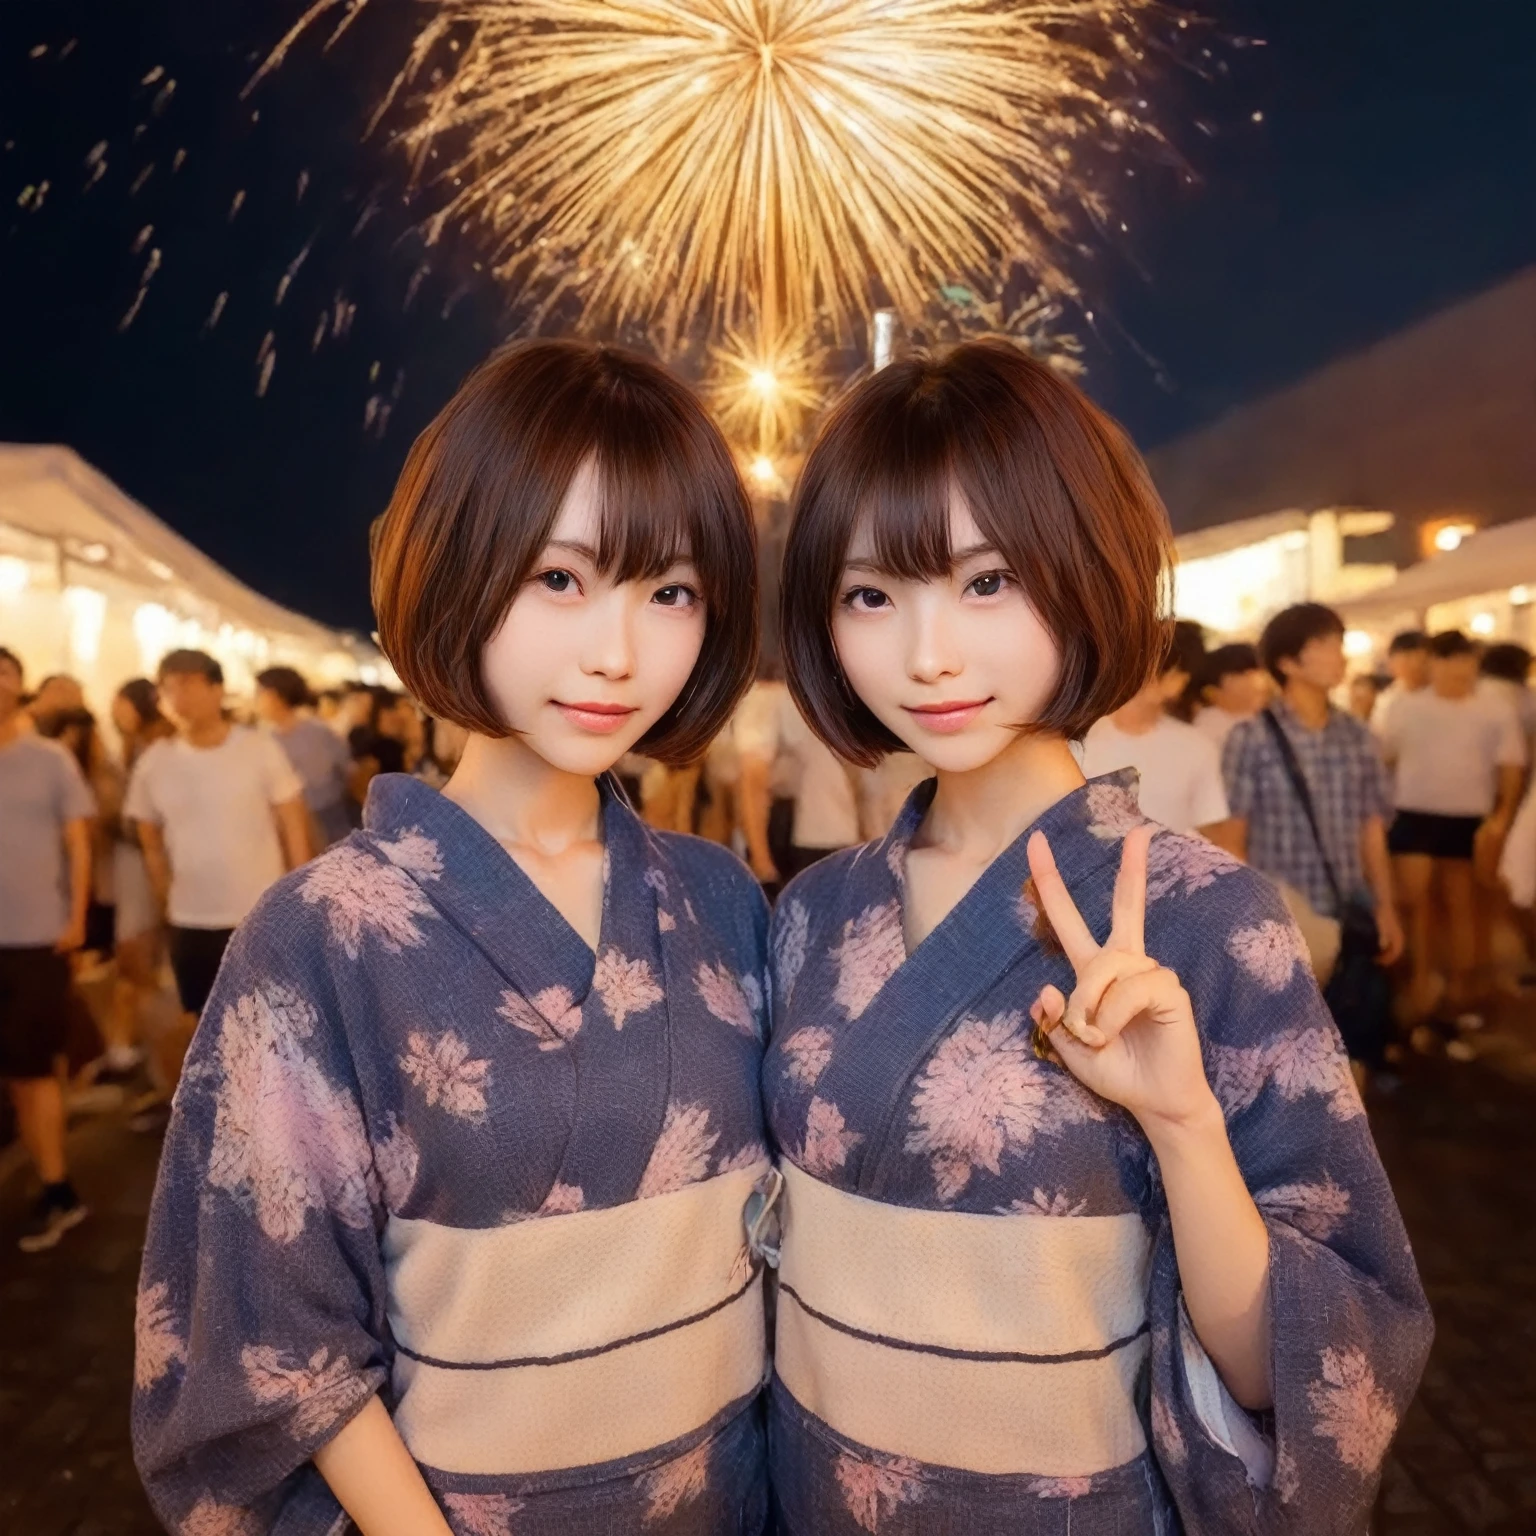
[585, 756]
[964, 753]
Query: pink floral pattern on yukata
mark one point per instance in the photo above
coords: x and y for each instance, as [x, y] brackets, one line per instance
[414, 851]
[285, 1141]
[396, 1161]
[1181, 864]
[681, 1154]
[207, 1518]
[871, 952]
[1296, 1062]
[1061, 1487]
[664, 920]
[873, 1489]
[753, 1155]
[481, 1514]
[1041, 1204]
[725, 997]
[1270, 952]
[361, 896]
[808, 1051]
[444, 1073]
[676, 1483]
[789, 941]
[828, 1141]
[552, 1016]
[1166, 1434]
[1352, 1410]
[562, 1200]
[1315, 1210]
[1112, 811]
[158, 1345]
[318, 1391]
[985, 1092]
[625, 986]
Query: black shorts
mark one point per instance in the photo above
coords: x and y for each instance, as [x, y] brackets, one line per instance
[100, 927]
[34, 1011]
[195, 957]
[1441, 837]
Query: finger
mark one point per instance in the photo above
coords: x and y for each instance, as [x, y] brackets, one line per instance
[1156, 993]
[1076, 1057]
[1077, 942]
[1128, 920]
[1106, 968]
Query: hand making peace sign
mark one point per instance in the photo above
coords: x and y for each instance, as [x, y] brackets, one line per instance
[1129, 1030]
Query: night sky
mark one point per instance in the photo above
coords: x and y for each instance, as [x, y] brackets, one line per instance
[1392, 169]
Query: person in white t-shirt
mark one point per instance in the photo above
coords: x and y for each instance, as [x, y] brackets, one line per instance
[1459, 759]
[1408, 662]
[1180, 768]
[1233, 687]
[779, 752]
[220, 813]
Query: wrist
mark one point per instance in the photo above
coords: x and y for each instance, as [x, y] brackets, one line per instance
[1190, 1127]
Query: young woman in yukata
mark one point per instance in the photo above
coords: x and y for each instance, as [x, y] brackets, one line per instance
[449, 1232]
[1083, 1226]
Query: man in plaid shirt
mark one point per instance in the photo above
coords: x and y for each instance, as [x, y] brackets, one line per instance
[1303, 647]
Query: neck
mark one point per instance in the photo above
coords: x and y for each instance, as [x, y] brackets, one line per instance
[1308, 702]
[283, 719]
[207, 733]
[977, 814]
[10, 725]
[523, 800]
[1140, 715]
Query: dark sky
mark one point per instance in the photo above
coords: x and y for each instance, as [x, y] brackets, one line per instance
[1393, 170]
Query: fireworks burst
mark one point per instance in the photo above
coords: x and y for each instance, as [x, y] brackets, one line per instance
[761, 393]
[765, 167]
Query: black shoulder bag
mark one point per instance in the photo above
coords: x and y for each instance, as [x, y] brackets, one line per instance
[1358, 994]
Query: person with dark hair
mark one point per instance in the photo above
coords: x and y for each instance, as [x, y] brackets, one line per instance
[45, 890]
[1504, 673]
[1408, 662]
[220, 815]
[318, 754]
[1178, 769]
[1459, 757]
[472, 1124]
[56, 693]
[1344, 860]
[987, 1073]
[1364, 690]
[1233, 685]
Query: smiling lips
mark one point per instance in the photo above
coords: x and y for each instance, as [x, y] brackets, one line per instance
[603, 719]
[948, 717]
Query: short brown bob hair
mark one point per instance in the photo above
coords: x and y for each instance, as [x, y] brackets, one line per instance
[480, 494]
[1052, 482]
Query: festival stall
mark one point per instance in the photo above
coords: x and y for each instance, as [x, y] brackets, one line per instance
[93, 584]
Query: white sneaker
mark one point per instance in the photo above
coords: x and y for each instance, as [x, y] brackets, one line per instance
[51, 1228]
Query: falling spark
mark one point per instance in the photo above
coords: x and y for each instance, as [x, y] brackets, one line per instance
[142, 239]
[286, 280]
[414, 286]
[163, 97]
[151, 267]
[141, 178]
[97, 161]
[236, 205]
[179, 161]
[39, 52]
[303, 186]
[157, 73]
[216, 311]
[672, 160]
[320, 329]
[69, 47]
[266, 361]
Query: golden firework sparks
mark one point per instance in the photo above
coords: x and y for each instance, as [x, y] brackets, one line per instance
[762, 391]
[793, 161]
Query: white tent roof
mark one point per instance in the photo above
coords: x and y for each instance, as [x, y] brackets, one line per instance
[1489, 561]
[52, 493]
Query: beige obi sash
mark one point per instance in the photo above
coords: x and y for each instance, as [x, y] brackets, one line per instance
[569, 1340]
[1000, 1344]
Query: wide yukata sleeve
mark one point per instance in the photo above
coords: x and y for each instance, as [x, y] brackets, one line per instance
[261, 1299]
[1350, 1325]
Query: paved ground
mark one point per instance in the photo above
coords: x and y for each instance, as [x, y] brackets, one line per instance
[1459, 1140]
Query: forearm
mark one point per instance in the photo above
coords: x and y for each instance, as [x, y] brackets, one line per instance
[156, 864]
[1222, 1246]
[293, 828]
[1377, 862]
[376, 1481]
[1511, 787]
[79, 872]
[754, 807]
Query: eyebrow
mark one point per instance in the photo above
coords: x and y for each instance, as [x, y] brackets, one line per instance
[575, 546]
[957, 557]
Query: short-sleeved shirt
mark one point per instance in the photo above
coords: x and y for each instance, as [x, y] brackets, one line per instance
[1179, 768]
[41, 791]
[320, 758]
[1448, 752]
[214, 808]
[1349, 784]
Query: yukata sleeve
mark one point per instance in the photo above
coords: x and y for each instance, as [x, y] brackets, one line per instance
[1349, 1322]
[260, 1313]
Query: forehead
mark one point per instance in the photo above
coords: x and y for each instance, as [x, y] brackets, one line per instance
[963, 531]
[587, 519]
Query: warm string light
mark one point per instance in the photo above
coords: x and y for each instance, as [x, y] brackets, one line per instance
[793, 163]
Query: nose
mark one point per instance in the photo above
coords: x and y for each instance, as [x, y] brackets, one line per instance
[933, 652]
[608, 648]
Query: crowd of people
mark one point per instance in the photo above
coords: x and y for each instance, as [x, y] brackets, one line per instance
[1403, 806]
